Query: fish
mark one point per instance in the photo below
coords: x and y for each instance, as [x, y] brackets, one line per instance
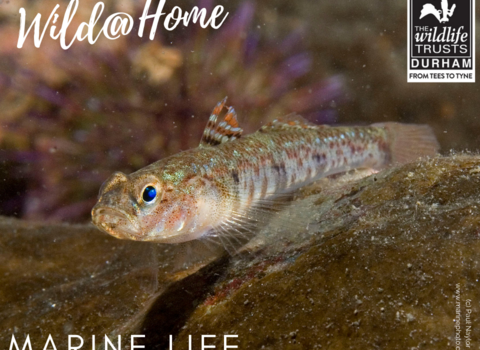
[210, 190]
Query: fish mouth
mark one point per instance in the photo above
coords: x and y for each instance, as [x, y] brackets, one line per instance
[116, 222]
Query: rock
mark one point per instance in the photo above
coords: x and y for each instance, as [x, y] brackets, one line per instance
[379, 262]
[382, 269]
[73, 279]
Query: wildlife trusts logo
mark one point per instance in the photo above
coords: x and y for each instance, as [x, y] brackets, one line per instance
[429, 9]
[441, 41]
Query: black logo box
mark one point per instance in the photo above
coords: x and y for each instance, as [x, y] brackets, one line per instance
[462, 17]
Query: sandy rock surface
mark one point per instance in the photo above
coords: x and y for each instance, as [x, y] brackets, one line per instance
[373, 263]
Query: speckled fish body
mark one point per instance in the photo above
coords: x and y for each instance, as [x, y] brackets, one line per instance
[211, 188]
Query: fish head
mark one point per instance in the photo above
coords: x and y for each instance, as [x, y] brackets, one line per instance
[143, 207]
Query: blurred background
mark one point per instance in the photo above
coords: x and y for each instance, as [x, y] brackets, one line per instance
[69, 118]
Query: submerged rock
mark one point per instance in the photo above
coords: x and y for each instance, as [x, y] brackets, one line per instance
[382, 268]
[73, 279]
[379, 262]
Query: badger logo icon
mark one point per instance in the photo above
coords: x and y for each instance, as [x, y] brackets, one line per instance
[429, 9]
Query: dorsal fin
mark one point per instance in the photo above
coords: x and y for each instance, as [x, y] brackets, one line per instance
[227, 130]
[292, 120]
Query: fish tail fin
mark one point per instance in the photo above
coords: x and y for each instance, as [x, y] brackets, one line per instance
[410, 141]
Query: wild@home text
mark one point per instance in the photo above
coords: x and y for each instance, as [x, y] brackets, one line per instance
[115, 25]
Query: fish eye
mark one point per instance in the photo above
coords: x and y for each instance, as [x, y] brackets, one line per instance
[149, 194]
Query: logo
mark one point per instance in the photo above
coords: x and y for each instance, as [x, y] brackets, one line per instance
[441, 41]
[429, 9]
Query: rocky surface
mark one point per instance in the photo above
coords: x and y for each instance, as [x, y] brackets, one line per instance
[73, 279]
[378, 267]
[373, 263]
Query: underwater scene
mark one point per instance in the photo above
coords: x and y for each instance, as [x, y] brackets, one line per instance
[239, 174]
